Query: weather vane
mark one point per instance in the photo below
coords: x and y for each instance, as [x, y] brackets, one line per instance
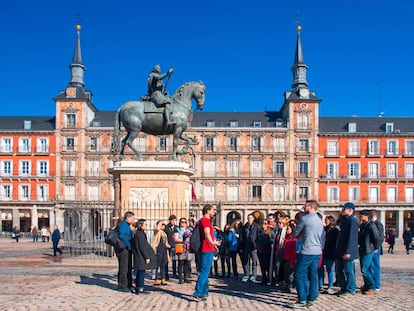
[297, 20]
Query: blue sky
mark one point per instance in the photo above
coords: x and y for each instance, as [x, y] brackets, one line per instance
[359, 53]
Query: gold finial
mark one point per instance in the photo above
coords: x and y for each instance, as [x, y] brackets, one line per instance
[78, 27]
[299, 28]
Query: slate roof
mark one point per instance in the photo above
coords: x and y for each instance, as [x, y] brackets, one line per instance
[46, 123]
[337, 125]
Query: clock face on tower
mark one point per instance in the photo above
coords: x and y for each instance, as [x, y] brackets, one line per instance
[304, 93]
[71, 92]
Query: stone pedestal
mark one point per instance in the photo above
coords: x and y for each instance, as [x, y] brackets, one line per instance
[146, 186]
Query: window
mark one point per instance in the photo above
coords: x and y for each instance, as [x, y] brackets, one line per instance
[351, 127]
[234, 123]
[210, 168]
[256, 192]
[6, 145]
[333, 194]
[332, 170]
[373, 170]
[42, 192]
[70, 120]
[257, 124]
[209, 144]
[409, 147]
[389, 127]
[24, 168]
[279, 193]
[42, 145]
[303, 121]
[303, 169]
[303, 145]
[70, 143]
[94, 167]
[391, 194]
[210, 123]
[232, 168]
[353, 148]
[6, 168]
[5, 192]
[69, 192]
[332, 148]
[27, 125]
[162, 143]
[373, 147]
[392, 147]
[409, 170]
[24, 192]
[24, 145]
[209, 193]
[233, 143]
[93, 192]
[256, 143]
[392, 170]
[232, 193]
[93, 141]
[140, 143]
[353, 170]
[303, 193]
[256, 168]
[353, 194]
[409, 195]
[279, 169]
[373, 193]
[42, 168]
[69, 168]
[279, 144]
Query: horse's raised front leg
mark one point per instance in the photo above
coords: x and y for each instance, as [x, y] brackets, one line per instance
[188, 141]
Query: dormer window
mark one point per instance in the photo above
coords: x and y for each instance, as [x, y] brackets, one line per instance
[234, 123]
[257, 124]
[389, 127]
[210, 124]
[27, 125]
[352, 127]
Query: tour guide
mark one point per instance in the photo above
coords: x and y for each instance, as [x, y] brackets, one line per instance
[209, 247]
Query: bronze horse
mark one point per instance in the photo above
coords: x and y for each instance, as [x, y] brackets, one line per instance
[143, 116]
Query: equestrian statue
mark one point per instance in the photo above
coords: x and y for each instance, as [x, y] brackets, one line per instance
[158, 114]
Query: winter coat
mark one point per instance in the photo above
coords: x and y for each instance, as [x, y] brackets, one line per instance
[348, 238]
[142, 250]
[329, 248]
[368, 238]
[250, 234]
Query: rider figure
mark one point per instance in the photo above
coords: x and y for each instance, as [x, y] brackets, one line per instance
[158, 94]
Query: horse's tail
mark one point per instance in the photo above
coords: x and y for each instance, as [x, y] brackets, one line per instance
[115, 147]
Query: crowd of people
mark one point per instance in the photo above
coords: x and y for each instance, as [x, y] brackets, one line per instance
[311, 253]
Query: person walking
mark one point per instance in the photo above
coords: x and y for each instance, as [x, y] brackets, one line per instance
[35, 234]
[391, 235]
[16, 234]
[55, 241]
[408, 239]
[310, 229]
[347, 250]
[209, 247]
[125, 254]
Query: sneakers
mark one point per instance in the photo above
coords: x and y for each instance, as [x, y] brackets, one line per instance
[198, 298]
[346, 295]
[330, 291]
[245, 278]
[252, 278]
[298, 305]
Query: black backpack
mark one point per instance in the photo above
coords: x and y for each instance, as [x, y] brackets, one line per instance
[112, 238]
[195, 239]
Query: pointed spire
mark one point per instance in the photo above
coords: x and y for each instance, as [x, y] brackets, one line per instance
[76, 67]
[299, 67]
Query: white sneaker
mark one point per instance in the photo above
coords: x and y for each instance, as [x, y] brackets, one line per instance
[245, 279]
[252, 278]
[330, 291]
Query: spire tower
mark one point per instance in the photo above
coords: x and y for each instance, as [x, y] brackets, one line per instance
[77, 68]
[299, 67]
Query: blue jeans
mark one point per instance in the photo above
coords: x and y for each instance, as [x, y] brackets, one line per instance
[201, 288]
[346, 275]
[366, 266]
[329, 264]
[376, 269]
[56, 249]
[306, 275]
[139, 281]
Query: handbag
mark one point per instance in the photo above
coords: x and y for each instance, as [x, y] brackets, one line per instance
[13, 235]
[179, 248]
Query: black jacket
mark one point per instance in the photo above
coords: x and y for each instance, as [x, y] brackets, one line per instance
[369, 238]
[330, 243]
[142, 250]
[250, 235]
[348, 238]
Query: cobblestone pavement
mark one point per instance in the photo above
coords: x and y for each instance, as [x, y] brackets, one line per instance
[31, 279]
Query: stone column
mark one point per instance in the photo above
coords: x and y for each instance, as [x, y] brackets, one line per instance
[400, 219]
